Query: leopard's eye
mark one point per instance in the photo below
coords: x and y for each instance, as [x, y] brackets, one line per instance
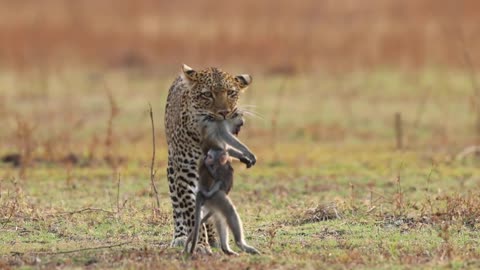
[207, 94]
[231, 93]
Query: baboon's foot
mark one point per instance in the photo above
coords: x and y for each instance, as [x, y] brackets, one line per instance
[229, 252]
[252, 250]
[248, 249]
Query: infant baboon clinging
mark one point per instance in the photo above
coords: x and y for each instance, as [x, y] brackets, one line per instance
[216, 180]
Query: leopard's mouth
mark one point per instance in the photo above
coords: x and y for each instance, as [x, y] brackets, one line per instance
[232, 114]
[211, 116]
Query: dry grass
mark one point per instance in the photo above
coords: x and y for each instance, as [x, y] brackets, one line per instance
[322, 212]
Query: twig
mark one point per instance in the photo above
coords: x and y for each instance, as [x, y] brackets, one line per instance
[109, 139]
[430, 176]
[399, 130]
[73, 250]
[26, 144]
[88, 209]
[352, 197]
[113, 114]
[118, 195]
[399, 194]
[429, 199]
[152, 172]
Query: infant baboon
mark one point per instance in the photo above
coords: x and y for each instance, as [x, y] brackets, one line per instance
[219, 134]
[216, 180]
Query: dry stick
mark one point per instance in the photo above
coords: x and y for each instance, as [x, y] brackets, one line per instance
[118, 195]
[73, 250]
[399, 130]
[113, 113]
[352, 197]
[429, 199]
[371, 200]
[109, 136]
[399, 194]
[152, 172]
[88, 209]
[25, 144]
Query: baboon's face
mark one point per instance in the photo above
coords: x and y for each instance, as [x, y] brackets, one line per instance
[216, 159]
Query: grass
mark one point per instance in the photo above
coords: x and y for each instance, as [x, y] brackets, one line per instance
[329, 191]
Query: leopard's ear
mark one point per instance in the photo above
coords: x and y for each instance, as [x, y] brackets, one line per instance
[189, 73]
[244, 80]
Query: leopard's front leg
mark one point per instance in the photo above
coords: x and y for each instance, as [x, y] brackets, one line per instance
[183, 180]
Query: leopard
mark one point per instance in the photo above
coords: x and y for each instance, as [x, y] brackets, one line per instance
[193, 96]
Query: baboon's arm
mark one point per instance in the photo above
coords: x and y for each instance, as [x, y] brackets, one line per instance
[240, 156]
[233, 142]
[236, 148]
[208, 194]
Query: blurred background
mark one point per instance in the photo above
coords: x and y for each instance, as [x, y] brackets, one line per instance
[266, 36]
[79, 74]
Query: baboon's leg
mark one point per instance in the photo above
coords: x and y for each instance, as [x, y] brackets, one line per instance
[223, 234]
[235, 224]
[208, 194]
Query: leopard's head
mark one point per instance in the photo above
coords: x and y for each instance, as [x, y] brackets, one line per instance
[214, 92]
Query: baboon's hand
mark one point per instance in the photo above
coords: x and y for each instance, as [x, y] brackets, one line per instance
[249, 160]
[246, 161]
[252, 158]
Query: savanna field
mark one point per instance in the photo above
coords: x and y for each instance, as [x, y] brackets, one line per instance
[367, 155]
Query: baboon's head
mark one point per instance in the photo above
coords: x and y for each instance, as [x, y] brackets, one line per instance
[216, 158]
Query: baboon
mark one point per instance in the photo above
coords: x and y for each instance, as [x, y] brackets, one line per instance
[216, 180]
[220, 134]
